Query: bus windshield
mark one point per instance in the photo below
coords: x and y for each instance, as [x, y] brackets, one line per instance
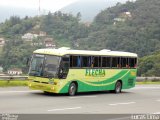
[44, 65]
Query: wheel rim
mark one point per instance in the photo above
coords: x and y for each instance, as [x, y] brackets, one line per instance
[72, 90]
[118, 87]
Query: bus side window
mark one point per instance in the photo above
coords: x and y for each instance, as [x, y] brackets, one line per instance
[127, 64]
[106, 62]
[124, 62]
[92, 61]
[133, 62]
[74, 61]
[79, 59]
[85, 60]
[119, 62]
[114, 62]
[96, 61]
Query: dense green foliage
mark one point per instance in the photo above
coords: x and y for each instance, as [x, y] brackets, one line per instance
[113, 29]
[65, 29]
[16, 26]
[133, 27]
[150, 65]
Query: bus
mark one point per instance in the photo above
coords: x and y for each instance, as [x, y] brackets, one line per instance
[70, 71]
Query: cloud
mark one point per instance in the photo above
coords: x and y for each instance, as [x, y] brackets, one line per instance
[50, 5]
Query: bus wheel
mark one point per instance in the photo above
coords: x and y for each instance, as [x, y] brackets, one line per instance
[118, 87]
[47, 93]
[72, 89]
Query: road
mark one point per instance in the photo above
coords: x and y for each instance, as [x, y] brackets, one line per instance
[141, 99]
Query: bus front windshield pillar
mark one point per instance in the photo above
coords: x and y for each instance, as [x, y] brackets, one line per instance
[64, 68]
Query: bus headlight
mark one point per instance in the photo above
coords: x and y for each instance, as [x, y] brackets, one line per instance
[51, 81]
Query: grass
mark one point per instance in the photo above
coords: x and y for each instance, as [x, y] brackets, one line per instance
[5, 83]
[147, 82]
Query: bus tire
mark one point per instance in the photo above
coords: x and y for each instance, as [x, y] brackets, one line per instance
[118, 87]
[72, 89]
[47, 93]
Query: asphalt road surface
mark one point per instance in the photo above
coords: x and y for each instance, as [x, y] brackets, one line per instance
[21, 100]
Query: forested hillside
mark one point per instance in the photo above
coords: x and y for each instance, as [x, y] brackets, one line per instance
[89, 8]
[133, 27]
[150, 65]
[61, 29]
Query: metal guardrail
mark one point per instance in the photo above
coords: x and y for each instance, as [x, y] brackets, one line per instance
[146, 79]
[9, 78]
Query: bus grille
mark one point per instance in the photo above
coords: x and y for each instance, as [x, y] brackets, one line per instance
[36, 81]
[44, 82]
[40, 82]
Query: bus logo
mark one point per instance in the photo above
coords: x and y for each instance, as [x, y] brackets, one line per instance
[95, 72]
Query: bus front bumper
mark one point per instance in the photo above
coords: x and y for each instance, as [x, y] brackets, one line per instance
[43, 87]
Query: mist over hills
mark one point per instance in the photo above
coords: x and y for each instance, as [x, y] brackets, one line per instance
[89, 8]
[6, 12]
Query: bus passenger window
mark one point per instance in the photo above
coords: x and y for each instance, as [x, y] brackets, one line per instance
[104, 61]
[74, 61]
[114, 62]
[96, 62]
[124, 62]
[132, 62]
[79, 59]
[108, 62]
[85, 61]
[119, 62]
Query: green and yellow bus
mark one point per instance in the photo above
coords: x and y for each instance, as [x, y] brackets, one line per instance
[70, 71]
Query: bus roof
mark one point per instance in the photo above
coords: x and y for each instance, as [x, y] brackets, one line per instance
[62, 52]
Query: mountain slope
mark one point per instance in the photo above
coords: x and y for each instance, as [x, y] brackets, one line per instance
[89, 8]
[150, 65]
[133, 27]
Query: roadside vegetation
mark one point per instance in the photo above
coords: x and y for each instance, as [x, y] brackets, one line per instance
[6, 83]
[147, 83]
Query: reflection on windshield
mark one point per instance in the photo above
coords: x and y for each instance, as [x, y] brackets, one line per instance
[36, 65]
[44, 65]
[51, 66]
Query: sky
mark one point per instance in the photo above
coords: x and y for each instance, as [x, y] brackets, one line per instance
[48, 5]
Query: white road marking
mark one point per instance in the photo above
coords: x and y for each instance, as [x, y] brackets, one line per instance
[82, 97]
[61, 109]
[127, 103]
[1, 92]
[158, 100]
